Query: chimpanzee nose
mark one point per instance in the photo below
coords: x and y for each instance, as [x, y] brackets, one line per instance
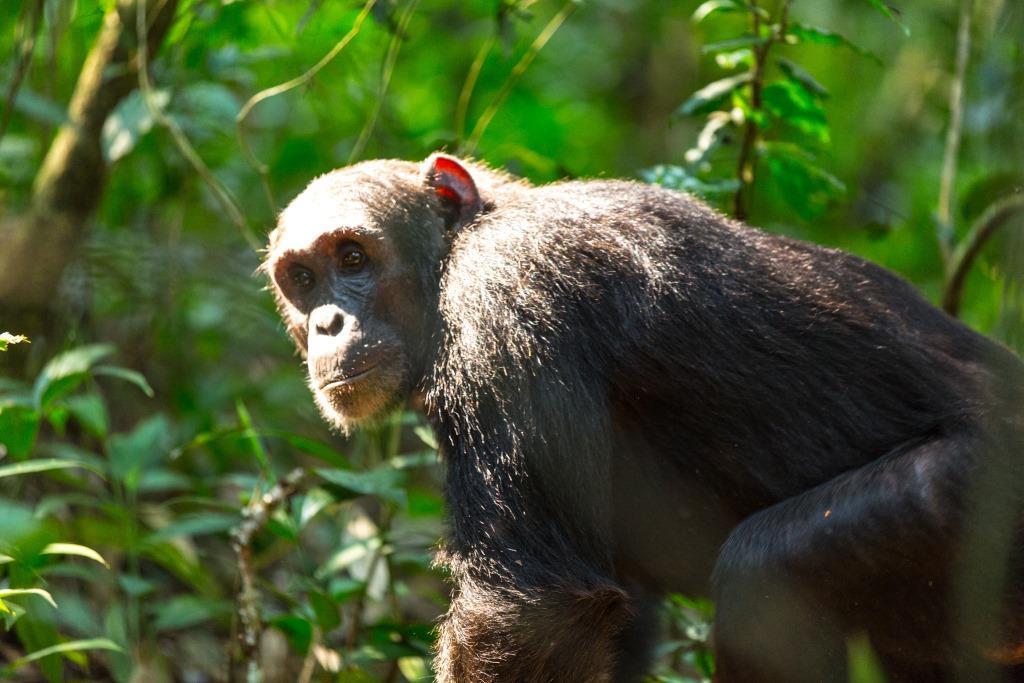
[326, 320]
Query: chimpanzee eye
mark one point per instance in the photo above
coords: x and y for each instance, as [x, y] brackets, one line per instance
[352, 258]
[301, 277]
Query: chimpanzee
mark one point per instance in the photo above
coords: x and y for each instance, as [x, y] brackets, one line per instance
[634, 394]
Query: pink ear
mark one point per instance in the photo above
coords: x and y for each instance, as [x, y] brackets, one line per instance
[454, 186]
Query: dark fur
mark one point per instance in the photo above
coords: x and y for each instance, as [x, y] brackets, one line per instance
[634, 394]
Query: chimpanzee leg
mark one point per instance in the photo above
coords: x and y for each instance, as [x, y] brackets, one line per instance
[634, 645]
[868, 550]
[497, 634]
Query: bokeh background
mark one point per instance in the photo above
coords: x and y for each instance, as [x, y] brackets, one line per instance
[171, 505]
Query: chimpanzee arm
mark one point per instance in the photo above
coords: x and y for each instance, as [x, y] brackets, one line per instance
[794, 578]
[535, 599]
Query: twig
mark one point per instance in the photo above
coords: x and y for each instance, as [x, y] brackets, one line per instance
[517, 71]
[944, 214]
[28, 45]
[462, 109]
[220, 191]
[254, 518]
[746, 167]
[261, 167]
[390, 59]
[995, 216]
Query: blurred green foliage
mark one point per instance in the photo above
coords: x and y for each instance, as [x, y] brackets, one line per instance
[120, 484]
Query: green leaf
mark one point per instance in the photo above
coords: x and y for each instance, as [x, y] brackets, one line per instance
[195, 525]
[864, 664]
[326, 610]
[706, 9]
[712, 94]
[44, 465]
[678, 178]
[7, 338]
[297, 630]
[13, 592]
[66, 371]
[127, 375]
[383, 482]
[75, 549]
[734, 44]
[791, 104]
[90, 412]
[735, 58]
[146, 445]
[64, 648]
[802, 33]
[414, 668]
[39, 108]
[19, 425]
[802, 77]
[254, 441]
[185, 611]
[807, 188]
[890, 13]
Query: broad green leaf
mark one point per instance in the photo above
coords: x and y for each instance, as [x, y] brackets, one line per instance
[791, 104]
[66, 371]
[185, 611]
[351, 552]
[802, 33]
[74, 549]
[6, 338]
[890, 13]
[19, 425]
[132, 453]
[712, 94]
[44, 465]
[39, 108]
[127, 375]
[6, 593]
[325, 609]
[64, 648]
[733, 44]
[805, 186]
[297, 630]
[89, 411]
[800, 75]
[383, 482]
[195, 525]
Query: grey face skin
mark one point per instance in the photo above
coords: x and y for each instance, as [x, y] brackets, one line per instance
[349, 266]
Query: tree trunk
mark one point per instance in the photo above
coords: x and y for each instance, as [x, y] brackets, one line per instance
[36, 246]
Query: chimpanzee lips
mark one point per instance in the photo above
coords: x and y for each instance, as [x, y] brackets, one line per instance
[340, 381]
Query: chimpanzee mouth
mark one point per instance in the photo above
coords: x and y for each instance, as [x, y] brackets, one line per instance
[342, 381]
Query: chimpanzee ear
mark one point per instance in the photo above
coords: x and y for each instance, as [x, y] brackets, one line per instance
[454, 187]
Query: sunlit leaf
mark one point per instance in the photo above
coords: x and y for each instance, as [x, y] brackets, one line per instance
[44, 465]
[6, 593]
[74, 549]
[64, 648]
[130, 120]
[805, 186]
[89, 411]
[800, 75]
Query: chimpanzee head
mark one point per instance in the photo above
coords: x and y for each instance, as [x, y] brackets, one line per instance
[355, 265]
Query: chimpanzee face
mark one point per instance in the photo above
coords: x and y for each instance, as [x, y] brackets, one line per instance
[353, 263]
